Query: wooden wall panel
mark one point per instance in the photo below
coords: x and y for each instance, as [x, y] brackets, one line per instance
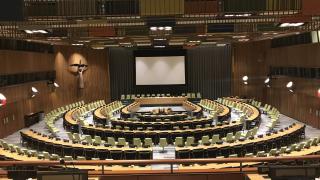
[19, 102]
[161, 7]
[96, 78]
[303, 104]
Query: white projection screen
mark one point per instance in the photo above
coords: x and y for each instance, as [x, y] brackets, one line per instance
[169, 70]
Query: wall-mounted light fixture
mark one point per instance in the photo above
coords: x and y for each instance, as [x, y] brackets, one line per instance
[3, 100]
[245, 79]
[290, 86]
[34, 92]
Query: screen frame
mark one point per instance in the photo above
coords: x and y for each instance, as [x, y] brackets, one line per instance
[163, 52]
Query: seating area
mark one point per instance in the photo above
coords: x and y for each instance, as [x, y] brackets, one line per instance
[251, 113]
[134, 96]
[160, 89]
[55, 114]
[162, 124]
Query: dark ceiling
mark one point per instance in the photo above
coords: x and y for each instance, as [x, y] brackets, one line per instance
[107, 23]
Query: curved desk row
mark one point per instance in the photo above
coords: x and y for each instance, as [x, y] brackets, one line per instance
[148, 117]
[152, 101]
[70, 124]
[264, 143]
[66, 148]
[113, 107]
[253, 113]
[223, 112]
[164, 125]
[136, 169]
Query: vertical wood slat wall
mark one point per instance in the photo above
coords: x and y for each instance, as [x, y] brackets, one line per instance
[161, 7]
[19, 102]
[153, 7]
[254, 59]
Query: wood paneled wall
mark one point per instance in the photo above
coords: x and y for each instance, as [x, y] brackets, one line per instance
[255, 58]
[19, 102]
[96, 77]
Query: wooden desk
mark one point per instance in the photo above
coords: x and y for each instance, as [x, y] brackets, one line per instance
[224, 111]
[294, 129]
[147, 169]
[189, 106]
[163, 124]
[33, 135]
[70, 123]
[254, 116]
[161, 100]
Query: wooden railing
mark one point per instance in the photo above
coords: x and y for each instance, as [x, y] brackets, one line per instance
[173, 162]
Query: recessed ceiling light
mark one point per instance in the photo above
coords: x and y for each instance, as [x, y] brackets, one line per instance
[77, 44]
[238, 37]
[291, 24]
[159, 46]
[160, 28]
[168, 28]
[153, 28]
[243, 40]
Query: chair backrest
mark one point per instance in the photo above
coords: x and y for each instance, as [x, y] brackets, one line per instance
[215, 138]
[190, 141]
[137, 142]
[123, 97]
[205, 139]
[111, 141]
[163, 142]
[148, 142]
[77, 137]
[283, 149]
[88, 139]
[178, 141]
[97, 139]
[122, 141]
[273, 152]
[237, 135]
[229, 137]
[261, 154]
[46, 155]
[70, 136]
[254, 131]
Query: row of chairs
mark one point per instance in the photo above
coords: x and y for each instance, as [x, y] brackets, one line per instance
[55, 114]
[178, 141]
[211, 106]
[83, 110]
[251, 147]
[291, 148]
[166, 125]
[220, 128]
[61, 149]
[69, 153]
[240, 107]
[112, 108]
[272, 112]
[146, 117]
[238, 151]
[134, 96]
[250, 113]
